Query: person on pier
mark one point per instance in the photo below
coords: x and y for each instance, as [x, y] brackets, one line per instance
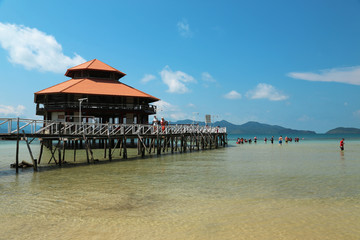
[155, 122]
[163, 123]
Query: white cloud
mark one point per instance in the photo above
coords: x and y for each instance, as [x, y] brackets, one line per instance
[266, 91]
[35, 49]
[357, 114]
[206, 77]
[176, 80]
[191, 105]
[349, 75]
[10, 110]
[163, 106]
[169, 111]
[233, 95]
[147, 78]
[184, 29]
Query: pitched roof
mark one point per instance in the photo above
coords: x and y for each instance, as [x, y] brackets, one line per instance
[96, 87]
[93, 65]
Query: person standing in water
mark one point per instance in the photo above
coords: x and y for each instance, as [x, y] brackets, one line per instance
[342, 144]
[280, 140]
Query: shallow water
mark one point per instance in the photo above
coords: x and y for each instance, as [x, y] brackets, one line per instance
[306, 190]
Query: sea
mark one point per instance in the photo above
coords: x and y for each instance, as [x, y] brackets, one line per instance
[298, 190]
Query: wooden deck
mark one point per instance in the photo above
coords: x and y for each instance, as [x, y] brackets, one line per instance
[145, 137]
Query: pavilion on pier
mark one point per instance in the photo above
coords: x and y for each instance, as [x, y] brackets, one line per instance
[94, 94]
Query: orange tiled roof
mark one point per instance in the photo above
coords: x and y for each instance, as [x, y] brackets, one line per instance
[93, 65]
[96, 87]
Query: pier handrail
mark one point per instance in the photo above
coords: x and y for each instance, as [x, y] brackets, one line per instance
[45, 127]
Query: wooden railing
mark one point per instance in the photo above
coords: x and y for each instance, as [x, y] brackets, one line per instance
[12, 126]
[106, 106]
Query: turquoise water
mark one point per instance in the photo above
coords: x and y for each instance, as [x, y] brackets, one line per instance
[305, 190]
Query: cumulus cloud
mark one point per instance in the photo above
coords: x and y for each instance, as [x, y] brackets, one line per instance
[147, 78]
[349, 75]
[233, 95]
[169, 111]
[266, 91]
[184, 29]
[176, 80]
[34, 49]
[206, 77]
[11, 110]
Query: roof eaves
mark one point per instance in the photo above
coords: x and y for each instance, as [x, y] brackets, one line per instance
[148, 95]
[52, 86]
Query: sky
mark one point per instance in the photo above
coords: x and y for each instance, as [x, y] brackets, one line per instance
[290, 63]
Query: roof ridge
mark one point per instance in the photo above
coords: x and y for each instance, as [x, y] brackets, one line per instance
[92, 61]
[80, 80]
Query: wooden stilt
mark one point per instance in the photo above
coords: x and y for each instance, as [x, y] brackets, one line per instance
[31, 155]
[59, 151]
[164, 144]
[184, 143]
[125, 151]
[115, 146]
[216, 141]
[41, 151]
[197, 142]
[191, 143]
[75, 152]
[110, 156]
[142, 146]
[158, 144]
[172, 142]
[121, 143]
[17, 146]
[52, 151]
[105, 147]
[151, 145]
[86, 149]
[63, 154]
[176, 144]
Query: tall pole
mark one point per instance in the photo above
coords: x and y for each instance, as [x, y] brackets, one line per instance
[80, 102]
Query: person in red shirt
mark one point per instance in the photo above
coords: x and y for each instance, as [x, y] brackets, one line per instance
[163, 123]
[342, 144]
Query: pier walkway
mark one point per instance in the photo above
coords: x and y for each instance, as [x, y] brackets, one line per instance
[77, 135]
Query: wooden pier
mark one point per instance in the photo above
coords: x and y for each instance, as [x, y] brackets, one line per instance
[148, 139]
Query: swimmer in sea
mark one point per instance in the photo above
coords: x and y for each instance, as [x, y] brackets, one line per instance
[342, 144]
[280, 140]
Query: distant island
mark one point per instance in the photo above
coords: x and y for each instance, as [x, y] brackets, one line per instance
[342, 130]
[266, 129]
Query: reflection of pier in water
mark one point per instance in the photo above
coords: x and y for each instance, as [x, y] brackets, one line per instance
[146, 138]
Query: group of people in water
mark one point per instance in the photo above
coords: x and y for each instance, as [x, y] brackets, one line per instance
[287, 139]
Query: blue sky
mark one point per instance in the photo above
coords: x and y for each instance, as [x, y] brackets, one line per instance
[289, 63]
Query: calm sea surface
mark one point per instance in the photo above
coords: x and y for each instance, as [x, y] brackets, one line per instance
[306, 190]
